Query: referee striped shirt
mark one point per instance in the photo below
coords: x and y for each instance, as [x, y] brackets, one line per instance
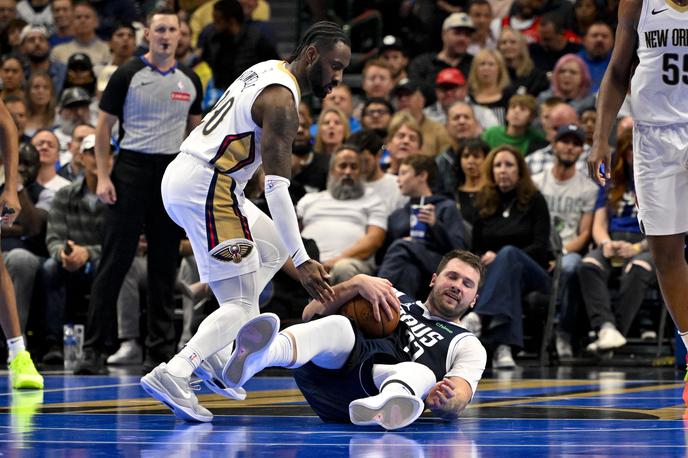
[152, 106]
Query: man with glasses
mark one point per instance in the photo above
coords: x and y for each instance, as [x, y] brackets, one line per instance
[376, 115]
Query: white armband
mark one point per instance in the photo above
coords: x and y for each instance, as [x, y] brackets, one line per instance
[282, 211]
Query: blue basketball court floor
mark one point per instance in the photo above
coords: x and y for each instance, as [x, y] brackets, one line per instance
[532, 412]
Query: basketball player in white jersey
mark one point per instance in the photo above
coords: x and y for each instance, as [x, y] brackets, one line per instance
[659, 104]
[237, 247]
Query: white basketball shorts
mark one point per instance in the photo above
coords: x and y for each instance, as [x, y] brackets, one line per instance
[220, 223]
[660, 168]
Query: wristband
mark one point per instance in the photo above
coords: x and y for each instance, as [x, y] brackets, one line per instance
[282, 211]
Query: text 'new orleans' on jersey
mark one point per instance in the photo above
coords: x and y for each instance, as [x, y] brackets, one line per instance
[660, 82]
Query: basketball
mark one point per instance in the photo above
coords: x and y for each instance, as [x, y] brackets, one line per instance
[360, 311]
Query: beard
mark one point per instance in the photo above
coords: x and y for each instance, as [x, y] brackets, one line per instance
[437, 301]
[38, 58]
[315, 76]
[300, 149]
[567, 163]
[345, 191]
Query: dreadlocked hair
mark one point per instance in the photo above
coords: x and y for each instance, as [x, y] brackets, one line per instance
[323, 35]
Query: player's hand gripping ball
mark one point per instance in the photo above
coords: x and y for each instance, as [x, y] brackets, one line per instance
[360, 311]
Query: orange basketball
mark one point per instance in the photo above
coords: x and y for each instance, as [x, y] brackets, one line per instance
[360, 311]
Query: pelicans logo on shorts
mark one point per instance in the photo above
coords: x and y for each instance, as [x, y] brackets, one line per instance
[232, 252]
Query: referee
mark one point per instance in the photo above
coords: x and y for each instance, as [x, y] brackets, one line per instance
[156, 101]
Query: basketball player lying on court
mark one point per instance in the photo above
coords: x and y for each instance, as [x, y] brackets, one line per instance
[427, 361]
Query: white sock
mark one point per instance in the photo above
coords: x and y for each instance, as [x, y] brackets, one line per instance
[185, 362]
[326, 342]
[684, 337]
[404, 378]
[281, 353]
[15, 346]
[238, 303]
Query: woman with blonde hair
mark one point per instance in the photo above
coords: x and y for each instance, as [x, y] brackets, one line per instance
[572, 82]
[525, 77]
[333, 128]
[488, 82]
[40, 97]
[404, 138]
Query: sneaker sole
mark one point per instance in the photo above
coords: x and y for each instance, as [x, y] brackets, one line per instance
[616, 345]
[253, 337]
[29, 384]
[124, 362]
[396, 412]
[151, 386]
[217, 387]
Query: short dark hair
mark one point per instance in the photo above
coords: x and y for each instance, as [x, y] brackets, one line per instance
[230, 9]
[14, 56]
[586, 108]
[555, 19]
[464, 256]
[324, 35]
[348, 146]
[122, 25]
[366, 139]
[379, 101]
[422, 163]
[162, 10]
[602, 22]
[14, 99]
[85, 3]
[472, 144]
[478, 2]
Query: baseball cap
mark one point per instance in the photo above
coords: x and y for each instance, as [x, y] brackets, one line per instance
[80, 60]
[450, 76]
[406, 85]
[392, 42]
[32, 29]
[570, 129]
[88, 142]
[74, 96]
[458, 21]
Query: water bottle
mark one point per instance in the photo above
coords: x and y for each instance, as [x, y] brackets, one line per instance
[70, 347]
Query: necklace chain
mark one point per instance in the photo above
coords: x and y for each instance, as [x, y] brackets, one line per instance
[507, 211]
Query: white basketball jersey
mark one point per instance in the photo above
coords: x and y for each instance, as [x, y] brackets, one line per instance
[659, 88]
[227, 138]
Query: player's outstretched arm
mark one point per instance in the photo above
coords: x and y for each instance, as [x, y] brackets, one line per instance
[275, 111]
[378, 291]
[614, 87]
[449, 397]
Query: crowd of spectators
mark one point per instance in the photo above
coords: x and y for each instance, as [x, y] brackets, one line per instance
[470, 118]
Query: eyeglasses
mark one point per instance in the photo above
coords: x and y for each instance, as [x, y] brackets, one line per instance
[374, 112]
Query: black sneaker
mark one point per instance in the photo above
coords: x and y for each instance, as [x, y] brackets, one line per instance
[93, 363]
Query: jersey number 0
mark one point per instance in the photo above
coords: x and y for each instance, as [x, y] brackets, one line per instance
[221, 109]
